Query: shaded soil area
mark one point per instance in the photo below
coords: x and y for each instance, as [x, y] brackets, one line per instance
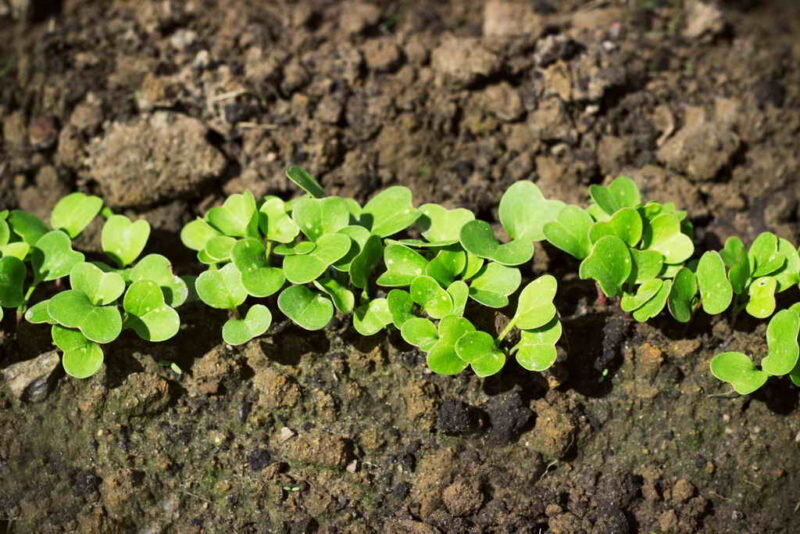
[163, 107]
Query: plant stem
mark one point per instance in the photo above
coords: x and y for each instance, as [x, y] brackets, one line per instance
[24, 307]
[506, 330]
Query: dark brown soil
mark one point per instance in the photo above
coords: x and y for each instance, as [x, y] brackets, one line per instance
[165, 106]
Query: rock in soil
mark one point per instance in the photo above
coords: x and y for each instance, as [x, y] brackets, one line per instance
[457, 418]
[154, 159]
[555, 431]
[319, 448]
[700, 150]
[32, 380]
[508, 416]
[463, 61]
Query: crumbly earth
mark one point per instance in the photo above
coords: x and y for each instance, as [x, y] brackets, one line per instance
[164, 107]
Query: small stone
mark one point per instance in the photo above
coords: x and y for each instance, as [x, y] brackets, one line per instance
[87, 116]
[358, 16]
[31, 380]
[42, 133]
[352, 467]
[456, 417]
[319, 448]
[463, 61]
[382, 54]
[285, 434]
[503, 102]
[682, 491]
[295, 76]
[700, 149]
[502, 18]
[702, 19]
[550, 121]
[330, 109]
[463, 497]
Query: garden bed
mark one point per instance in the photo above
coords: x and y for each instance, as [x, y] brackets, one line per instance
[164, 108]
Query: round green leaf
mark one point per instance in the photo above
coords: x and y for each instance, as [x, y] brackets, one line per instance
[784, 350]
[535, 306]
[738, 370]
[123, 240]
[620, 193]
[443, 360]
[609, 263]
[459, 292]
[258, 277]
[419, 332]
[237, 217]
[761, 297]
[426, 292]
[196, 234]
[788, 275]
[52, 256]
[735, 257]
[74, 212]
[647, 264]
[37, 314]
[403, 265]
[275, 221]
[478, 238]
[441, 225]
[84, 361]
[371, 318]
[570, 231]
[27, 226]
[365, 262]
[308, 267]
[221, 289]
[342, 298]
[763, 255]
[493, 284]
[536, 349]
[626, 224]
[682, 294]
[73, 309]
[99, 287]
[401, 306]
[524, 211]
[390, 211]
[716, 292]
[148, 314]
[320, 216]
[12, 278]
[645, 292]
[446, 265]
[480, 351]
[306, 308]
[255, 323]
[663, 234]
[655, 304]
[158, 269]
[359, 237]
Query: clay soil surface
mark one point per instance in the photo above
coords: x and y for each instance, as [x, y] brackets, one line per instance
[163, 107]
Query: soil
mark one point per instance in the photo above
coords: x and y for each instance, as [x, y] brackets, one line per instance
[163, 107]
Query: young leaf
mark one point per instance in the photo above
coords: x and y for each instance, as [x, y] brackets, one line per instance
[37, 314]
[17, 249]
[365, 262]
[123, 240]
[318, 217]
[493, 284]
[298, 249]
[219, 248]
[27, 226]
[442, 358]
[403, 265]
[196, 234]
[443, 225]
[358, 236]
[342, 298]
[620, 193]
[100, 288]
[73, 309]
[647, 264]
[654, 305]
[480, 351]
[52, 256]
[663, 234]
[148, 314]
[371, 318]
[12, 277]
[420, 332]
[459, 292]
[784, 350]
[735, 257]
[222, 288]
[570, 231]
[645, 292]
[536, 349]
[477, 237]
[255, 323]
[5, 230]
[535, 307]
[738, 370]
[788, 275]
[626, 224]
[390, 211]
[426, 292]
[307, 268]
[609, 263]
[761, 297]
[401, 306]
[763, 255]
[237, 217]
[306, 308]
[258, 277]
[275, 222]
[305, 181]
[81, 358]
[681, 296]
[447, 265]
[524, 211]
[716, 292]
[158, 269]
[74, 212]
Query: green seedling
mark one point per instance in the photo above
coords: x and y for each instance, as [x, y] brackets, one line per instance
[716, 291]
[74, 212]
[401, 306]
[255, 323]
[570, 231]
[403, 265]
[478, 238]
[524, 211]
[434, 300]
[536, 350]
[535, 306]
[390, 212]
[620, 193]
[609, 263]
[305, 268]
[308, 309]
[442, 357]
[493, 283]
[371, 318]
[441, 226]
[480, 350]
[148, 313]
[124, 240]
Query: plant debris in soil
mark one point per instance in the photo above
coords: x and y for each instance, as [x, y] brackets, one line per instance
[164, 108]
